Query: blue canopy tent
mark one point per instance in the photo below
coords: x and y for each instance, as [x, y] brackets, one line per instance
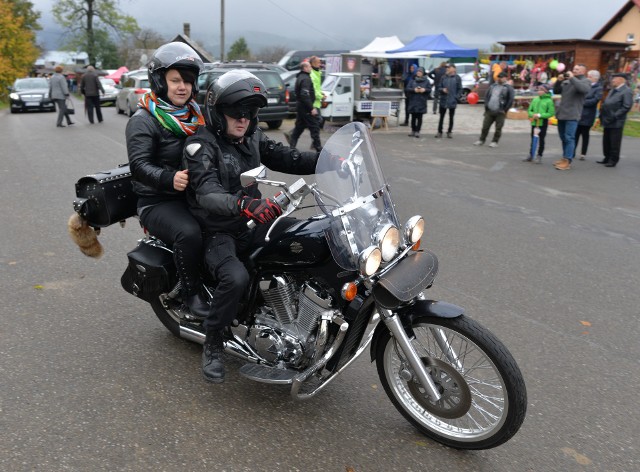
[436, 42]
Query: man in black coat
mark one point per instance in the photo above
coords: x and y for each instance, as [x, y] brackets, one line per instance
[613, 114]
[306, 114]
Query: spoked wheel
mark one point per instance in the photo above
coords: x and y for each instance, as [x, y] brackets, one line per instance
[483, 396]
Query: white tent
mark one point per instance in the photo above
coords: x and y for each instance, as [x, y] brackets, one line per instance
[378, 47]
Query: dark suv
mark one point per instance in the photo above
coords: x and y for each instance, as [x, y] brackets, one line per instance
[277, 108]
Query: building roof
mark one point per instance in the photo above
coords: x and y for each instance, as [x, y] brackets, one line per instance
[204, 55]
[617, 18]
[561, 45]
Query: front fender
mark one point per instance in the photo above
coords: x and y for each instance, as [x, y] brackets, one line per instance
[409, 313]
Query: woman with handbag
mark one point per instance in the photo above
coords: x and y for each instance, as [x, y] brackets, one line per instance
[59, 93]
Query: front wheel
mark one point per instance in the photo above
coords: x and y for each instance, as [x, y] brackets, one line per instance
[484, 398]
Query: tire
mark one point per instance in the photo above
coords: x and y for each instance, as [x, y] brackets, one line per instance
[463, 96]
[129, 112]
[274, 124]
[167, 320]
[118, 110]
[484, 399]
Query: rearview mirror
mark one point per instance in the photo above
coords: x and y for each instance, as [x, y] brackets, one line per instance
[249, 177]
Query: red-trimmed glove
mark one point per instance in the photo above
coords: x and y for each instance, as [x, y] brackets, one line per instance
[260, 211]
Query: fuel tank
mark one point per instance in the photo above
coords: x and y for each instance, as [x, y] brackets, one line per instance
[302, 244]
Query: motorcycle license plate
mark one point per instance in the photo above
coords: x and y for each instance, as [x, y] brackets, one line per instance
[272, 101]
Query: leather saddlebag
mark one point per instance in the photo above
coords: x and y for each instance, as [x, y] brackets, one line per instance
[105, 198]
[151, 271]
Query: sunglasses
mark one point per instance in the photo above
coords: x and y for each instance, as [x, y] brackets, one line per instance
[241, 112]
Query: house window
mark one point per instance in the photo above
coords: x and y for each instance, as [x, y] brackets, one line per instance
[630, 37]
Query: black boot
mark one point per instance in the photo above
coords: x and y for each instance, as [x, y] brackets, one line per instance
[197, 305]
[213, 357]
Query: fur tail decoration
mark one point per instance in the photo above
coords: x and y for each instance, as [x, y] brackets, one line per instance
[84, 236]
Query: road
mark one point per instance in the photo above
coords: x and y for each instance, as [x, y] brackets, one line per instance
[548, 260]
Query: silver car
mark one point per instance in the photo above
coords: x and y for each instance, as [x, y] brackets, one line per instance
[131, 89]
[110, 91]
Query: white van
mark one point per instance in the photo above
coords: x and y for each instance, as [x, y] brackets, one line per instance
[292, 59]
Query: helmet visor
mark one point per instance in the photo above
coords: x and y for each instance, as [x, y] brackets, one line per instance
[236, 112]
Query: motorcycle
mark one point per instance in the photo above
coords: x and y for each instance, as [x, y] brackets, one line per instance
[328, 288]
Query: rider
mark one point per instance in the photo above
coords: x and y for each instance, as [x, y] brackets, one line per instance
[155, 138]
[231, 143]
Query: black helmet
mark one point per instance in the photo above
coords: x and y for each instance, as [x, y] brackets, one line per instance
[174, 55]
[236, 88]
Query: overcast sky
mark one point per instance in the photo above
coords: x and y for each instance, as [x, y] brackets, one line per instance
[353, 23]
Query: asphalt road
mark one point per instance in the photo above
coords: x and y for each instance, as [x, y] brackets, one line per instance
[90, 380]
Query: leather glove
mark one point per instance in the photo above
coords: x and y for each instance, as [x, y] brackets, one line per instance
[260, 211]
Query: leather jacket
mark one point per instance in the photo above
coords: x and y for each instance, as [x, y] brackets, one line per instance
[155, 155]
[215, 164]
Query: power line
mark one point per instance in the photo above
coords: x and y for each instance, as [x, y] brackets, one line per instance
[306, 24]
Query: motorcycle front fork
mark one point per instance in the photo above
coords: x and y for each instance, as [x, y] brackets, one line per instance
[392, 321]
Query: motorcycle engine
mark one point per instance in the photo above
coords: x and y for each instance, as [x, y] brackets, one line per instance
[285, 328]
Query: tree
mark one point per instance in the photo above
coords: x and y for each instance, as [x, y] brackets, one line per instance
[89, 23]
[239, 50]
[24, 9]
[136, 47]
[272, 53]
[18, 51]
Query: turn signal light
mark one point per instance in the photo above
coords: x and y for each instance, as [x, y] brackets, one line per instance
[416, 246]
[349, 291]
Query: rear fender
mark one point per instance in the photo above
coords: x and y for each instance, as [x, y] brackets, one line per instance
[409, 313]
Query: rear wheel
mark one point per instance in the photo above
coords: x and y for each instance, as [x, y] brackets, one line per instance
[118, 110]
[130, 112]
[463, 96]
[274, 124]
[484, 398]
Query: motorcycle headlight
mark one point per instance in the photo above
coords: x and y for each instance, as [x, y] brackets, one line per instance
[414, 229]
[370, 260]
[388, 241]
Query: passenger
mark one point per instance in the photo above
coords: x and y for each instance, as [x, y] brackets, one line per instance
[155, 138]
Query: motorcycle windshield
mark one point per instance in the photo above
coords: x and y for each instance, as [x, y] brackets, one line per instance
[353, 193]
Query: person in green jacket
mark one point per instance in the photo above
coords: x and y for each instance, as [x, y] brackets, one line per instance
[540, 110]
[316, 79]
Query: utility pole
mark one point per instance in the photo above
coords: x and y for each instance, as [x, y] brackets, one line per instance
[221, 30]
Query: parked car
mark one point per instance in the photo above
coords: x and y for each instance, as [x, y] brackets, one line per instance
[131, 88]
[474, 79]
[288, 77]
[277, 108]
[30, 94]
[110, 91]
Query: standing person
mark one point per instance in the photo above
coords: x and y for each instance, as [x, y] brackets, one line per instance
[589, 111]
[418, 91]
[574, 89]
[155, 137]
[91, 87]
[229, 144]
[59, 92]
[436, 75]
[497, 102]
[408, 77]
[540, 110]
[449, 90]
[613, 114]
[306, 114]
[316, 79]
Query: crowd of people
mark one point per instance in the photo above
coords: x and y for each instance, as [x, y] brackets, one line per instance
[575, 98]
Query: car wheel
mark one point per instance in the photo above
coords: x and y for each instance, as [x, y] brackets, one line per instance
[463, 97]
[118, 110]
[129, 111]
[274, 124]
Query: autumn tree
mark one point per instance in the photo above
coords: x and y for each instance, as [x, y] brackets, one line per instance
[18, 50]
[239, 50]
[90, 23]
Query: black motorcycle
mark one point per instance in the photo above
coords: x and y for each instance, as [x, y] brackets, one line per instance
[328, 288]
